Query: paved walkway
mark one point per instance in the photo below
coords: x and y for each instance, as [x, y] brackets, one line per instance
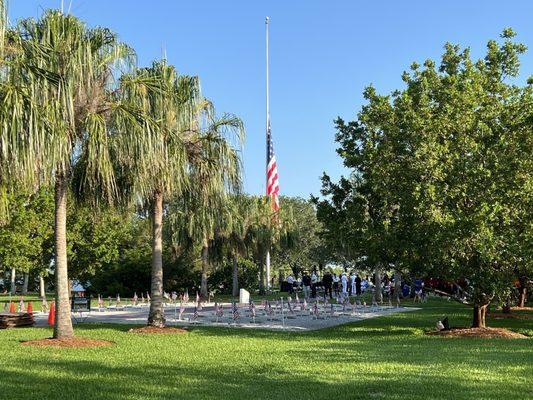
[327, 316]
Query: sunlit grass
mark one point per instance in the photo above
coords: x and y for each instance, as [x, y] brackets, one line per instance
[388, 357]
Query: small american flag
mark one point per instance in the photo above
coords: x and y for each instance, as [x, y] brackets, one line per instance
[182, 309]
[270, 311]
[290, 308]
[272, 172]
[304, 305]
[236, 314]
[297, 298]
[195, 314]
[315, 309]
[135, 299]
[252, 309]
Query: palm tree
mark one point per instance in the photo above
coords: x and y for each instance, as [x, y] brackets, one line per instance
[233, 233]
[56, 103]
[202, 210]
[161, 163]
[268, 229]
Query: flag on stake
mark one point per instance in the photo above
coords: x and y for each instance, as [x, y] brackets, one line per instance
[11, 307]
[236, 313]
[30, 308]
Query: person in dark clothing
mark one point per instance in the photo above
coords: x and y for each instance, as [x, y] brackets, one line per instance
[358, 285]
[306, 283]
[327, 281]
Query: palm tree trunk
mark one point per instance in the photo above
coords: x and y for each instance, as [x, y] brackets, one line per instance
[42, 292]
[156, 316]
[261, 275]
[63, 323]
[12, 287]
[235, 275]
[205, 266]
[26, 283]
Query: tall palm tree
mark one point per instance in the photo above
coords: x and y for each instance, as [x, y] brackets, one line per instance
[57, 97]
[214, 173]
[266, 230]
[160, 164]
[233, 235]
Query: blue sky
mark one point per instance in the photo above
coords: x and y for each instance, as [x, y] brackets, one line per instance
[323, 54]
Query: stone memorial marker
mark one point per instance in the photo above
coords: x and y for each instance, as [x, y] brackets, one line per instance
[244, 296]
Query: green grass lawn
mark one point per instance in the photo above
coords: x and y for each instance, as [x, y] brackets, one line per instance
[388, 357]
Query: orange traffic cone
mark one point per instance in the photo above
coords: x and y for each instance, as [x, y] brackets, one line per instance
[52, 314]
[29, 310]
[11, 307]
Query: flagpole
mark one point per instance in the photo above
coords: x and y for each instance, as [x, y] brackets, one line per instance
[267, 261]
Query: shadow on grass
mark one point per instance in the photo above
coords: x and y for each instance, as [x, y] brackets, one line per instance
[73, 379]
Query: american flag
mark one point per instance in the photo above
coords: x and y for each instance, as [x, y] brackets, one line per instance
[315, 309]
[290, 308]
[220, 311]
[195, 314]
[272, 172]
[270, 311]
[252, 309]
[236, 314]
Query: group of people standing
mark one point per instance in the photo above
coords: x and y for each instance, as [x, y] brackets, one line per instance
[333, 284]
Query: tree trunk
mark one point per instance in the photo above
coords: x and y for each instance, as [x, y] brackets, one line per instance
[42, 292]
[26, 283]
[261, 275]
[205, 265]
[397, 286]
[235, 276]
[479, 316]
[63, 323]
[377, 283]
[522, 296]
[13, 286]
[157, 316]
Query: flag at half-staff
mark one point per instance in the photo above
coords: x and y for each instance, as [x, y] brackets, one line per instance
[272, 172]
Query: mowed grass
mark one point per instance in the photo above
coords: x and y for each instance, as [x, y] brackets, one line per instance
[388, 357]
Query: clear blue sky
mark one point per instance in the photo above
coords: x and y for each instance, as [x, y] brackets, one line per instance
[323, 53]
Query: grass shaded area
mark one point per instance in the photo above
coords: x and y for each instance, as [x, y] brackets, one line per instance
[388, 357]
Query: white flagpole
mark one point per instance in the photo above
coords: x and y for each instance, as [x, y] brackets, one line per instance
[267, 261]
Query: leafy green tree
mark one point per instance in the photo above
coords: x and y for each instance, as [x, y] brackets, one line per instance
[302, 246]
[445, 164]
[25, 238]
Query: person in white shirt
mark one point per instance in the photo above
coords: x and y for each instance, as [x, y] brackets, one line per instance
[336, 280]
[352, 281]
[290, 281]
[344, 282]
[314, 281]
